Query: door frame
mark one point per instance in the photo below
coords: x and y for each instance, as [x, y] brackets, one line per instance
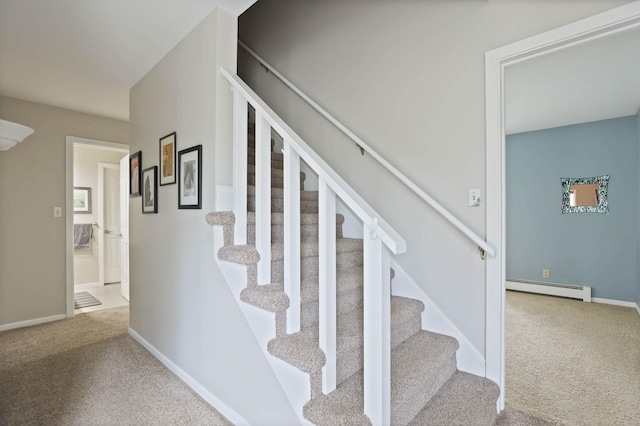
[496, 61]
[101, 262]
[72, 141]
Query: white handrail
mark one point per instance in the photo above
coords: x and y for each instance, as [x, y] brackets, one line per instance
[482, 244]
[358, 205]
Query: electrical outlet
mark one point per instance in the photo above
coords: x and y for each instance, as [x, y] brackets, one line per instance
[545, 273]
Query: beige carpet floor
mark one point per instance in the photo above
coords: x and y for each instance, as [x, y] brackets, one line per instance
[88, 371]
[572, 363]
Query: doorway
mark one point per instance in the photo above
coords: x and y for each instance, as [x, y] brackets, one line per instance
[94, 218]
[604, 24]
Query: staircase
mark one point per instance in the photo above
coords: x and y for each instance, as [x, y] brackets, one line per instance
[426, 387]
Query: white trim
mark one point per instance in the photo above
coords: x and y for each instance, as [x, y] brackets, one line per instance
[35, 321]
[101, 226]
[468, 357]
[85, 286]
[70, 143]
[213, 400]
[582, 293]
[618, 19]
[638, 308]
[614, 302]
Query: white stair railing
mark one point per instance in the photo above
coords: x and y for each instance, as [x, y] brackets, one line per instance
[380, 241]
[483, 246]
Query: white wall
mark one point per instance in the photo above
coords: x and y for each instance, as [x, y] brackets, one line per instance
[85, 174]
[180, 303]
[408, 78]
[32, 182]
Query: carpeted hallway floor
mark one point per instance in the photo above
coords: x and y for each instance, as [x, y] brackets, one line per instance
[88, 371]
[572, 363]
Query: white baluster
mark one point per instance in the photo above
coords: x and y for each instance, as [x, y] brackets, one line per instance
[263, 198]
[292, 236]
[240, 155]
[327, 278]
[377, 329]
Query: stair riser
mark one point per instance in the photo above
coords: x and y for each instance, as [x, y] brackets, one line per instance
[309, 265]
[277, 205]
[413, 404]
[307, 233]
[276, 181]
[277, 161]
[351, 361]
[347, 301]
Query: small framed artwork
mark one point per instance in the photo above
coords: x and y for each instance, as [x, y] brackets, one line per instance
[135, 171]
[190, 178]
[150, 190]
[81, 200]
[168, 159]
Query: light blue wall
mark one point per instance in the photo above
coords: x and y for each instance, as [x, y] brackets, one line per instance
[590, 249]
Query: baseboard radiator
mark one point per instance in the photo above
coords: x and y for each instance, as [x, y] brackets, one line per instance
[551, 289]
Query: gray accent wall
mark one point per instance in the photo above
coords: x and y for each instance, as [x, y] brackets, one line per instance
[408, 78]
[180, 301]
[32, 182]
[587, 249]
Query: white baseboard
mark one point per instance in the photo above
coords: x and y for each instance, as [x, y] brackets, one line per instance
[469, 358]
[638, 308]
[214, 401]
[29, 323]
[551, 289]
[78, 287]
[614, 302]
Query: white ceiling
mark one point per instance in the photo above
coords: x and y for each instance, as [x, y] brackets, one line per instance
[85, 55]
[592, 81]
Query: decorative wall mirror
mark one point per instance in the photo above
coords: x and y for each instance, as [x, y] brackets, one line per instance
[585, 195]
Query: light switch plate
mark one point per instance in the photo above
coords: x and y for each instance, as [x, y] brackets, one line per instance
[57, 212]
[474, 197]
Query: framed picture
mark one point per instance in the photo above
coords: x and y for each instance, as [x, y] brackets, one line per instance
[190, 178]
[81, 200]
[150, 190]
[135, 170]
[168, 159]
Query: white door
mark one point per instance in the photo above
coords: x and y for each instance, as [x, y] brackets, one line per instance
[124, 226]
[112, 234]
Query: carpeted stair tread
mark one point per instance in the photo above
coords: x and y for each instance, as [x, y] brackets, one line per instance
[308, 200]
[277, 218]
[276, 162]
[242, 254]
[417, 369]
[311, 248]
[279, 193]
[476, 394]
[278, 173]
[221, 218]
[299, 349]
[277, 159]
[270, 297]
[346, 279]
[276, 181]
